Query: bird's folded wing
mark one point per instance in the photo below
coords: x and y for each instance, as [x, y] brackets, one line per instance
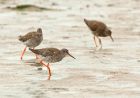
[47, 51]
[28, 36]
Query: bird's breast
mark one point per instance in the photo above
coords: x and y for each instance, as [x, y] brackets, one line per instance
[52, 59]
[33, 42]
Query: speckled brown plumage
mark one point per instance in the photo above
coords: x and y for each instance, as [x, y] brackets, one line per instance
[46, 51]
[51, 55]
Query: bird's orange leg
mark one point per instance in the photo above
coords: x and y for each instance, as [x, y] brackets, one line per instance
[95, 41]
[36, 56]
[49, 70]
[23, 53]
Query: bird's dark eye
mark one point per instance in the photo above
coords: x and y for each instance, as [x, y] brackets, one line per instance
[66, 51]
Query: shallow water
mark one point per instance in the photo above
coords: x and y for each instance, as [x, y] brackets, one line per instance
[112, 72]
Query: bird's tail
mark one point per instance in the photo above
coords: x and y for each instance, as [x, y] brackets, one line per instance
[20, 38]
[34, 51]
[86, 21]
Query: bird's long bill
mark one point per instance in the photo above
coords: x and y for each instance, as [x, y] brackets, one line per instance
[112, 38]
[71, 56]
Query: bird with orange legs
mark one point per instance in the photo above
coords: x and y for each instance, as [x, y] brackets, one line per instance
[31, 40]
[50, 55]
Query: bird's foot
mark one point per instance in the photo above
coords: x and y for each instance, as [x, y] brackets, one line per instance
[37, 57]
[49, 77]
[98, 48]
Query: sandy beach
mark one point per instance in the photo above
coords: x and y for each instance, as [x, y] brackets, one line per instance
[113, 72]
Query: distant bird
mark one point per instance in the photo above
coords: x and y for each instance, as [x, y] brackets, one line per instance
[99, 29]
[31, 40]
[51, 55]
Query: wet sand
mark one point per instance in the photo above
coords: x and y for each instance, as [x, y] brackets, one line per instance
[113, 72]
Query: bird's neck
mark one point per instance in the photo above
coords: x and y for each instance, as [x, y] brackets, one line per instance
[62, 55]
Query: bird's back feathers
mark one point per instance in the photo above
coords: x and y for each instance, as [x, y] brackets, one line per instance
[46, 51]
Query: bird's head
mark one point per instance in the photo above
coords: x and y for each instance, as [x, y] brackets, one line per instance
[109, 33]
[39, 30]
[65, 52]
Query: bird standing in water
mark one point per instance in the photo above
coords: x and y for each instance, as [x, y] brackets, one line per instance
[31, 40]
[51, 55]
[99, 29]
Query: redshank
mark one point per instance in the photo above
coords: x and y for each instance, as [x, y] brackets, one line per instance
[31, 40]
[50, 55]
[99, 29]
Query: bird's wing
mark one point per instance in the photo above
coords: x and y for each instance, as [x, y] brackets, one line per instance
[101, 28]
[28, 36]
[91, 24]
[46, 51]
